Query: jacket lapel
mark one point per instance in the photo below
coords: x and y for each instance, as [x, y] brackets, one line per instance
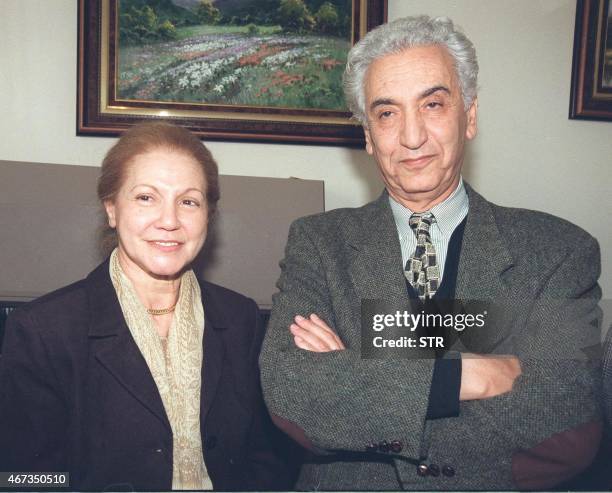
[376, 260]
[113, 346]
[484, 257]
[484, 265]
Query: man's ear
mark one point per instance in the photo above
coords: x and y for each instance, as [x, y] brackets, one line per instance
[471, 128]
[368, 146]
[109, 207]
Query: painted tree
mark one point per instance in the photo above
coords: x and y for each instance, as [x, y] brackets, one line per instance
[293, 15]
[207, 13]
[327, 19]
[167, 30]
[139, 25]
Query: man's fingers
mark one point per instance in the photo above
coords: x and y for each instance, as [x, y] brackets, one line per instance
[314, 318]
[320, 329]
[321, 323]
[311, 338]
[314, 335]
[302, 344]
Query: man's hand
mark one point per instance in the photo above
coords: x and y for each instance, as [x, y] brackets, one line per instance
[483, 377]
[313, 334]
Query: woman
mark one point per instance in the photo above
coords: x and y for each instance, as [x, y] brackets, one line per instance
[141, 376]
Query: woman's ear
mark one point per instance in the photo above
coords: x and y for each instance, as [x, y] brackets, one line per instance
[109, 207]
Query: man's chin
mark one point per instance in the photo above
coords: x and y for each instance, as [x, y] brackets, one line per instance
[427, 185]
[418, 188]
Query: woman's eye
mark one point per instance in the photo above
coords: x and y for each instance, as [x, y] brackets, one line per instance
[191, 202]
[144, 198]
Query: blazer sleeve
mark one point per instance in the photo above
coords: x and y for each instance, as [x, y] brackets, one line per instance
[550, 424]
[607, 376]
[336, 400]
[33, 416]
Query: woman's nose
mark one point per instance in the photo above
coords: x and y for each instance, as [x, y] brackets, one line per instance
[168, 217]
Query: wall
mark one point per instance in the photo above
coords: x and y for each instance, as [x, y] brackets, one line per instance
[528, 153]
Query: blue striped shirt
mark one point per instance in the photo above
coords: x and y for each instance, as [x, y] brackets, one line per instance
[448, 214]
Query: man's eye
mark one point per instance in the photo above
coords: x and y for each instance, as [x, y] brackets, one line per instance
[434, 104]
[385, 114]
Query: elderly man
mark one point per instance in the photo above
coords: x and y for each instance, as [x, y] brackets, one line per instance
[500, 413]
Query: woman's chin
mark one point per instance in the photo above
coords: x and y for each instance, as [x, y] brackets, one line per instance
[166, 271]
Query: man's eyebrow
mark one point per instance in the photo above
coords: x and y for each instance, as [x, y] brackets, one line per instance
[424, 94]
[381, 102]
[433, 90]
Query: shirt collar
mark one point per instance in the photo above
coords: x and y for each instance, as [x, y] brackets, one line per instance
[448, 213]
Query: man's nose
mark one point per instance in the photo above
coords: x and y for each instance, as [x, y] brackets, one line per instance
[414, 131]
[168, 216]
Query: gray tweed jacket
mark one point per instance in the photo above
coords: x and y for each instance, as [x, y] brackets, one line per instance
[607, 378]
[543, 273]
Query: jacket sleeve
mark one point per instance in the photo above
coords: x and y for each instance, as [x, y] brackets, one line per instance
[550, 424]
[335, 400]
[33, 416]
[273, 461]
[607, 375]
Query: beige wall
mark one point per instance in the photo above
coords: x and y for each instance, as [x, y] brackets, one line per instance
[528, 153]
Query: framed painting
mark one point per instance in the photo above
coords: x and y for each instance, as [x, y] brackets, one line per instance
[249, 70]
[591, 93]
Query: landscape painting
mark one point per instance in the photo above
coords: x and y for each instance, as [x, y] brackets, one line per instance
[264, 53]
[244, 70]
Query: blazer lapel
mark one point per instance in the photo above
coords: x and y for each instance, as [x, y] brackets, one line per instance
[113, 346]
[376, 263]
[484, 257]
[214, 350]
[484, 266]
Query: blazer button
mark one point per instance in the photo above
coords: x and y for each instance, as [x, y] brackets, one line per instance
[371, 447]
[422, 470]
[448, 471]
[159, 450]
[211, 442]
[434, 470]
[396, 446]
[384, 446]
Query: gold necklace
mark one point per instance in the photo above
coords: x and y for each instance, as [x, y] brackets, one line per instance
[161, 311]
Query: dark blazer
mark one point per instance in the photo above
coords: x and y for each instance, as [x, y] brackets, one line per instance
[540, 275]
[77, 395]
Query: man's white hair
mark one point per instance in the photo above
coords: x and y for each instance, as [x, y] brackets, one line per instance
[398, 35]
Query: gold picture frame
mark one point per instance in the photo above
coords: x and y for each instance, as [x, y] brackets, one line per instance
[103, 111]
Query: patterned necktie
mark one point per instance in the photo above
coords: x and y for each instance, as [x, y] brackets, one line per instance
[422, 270]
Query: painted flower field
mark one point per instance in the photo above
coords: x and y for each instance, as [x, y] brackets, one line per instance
[237, 68]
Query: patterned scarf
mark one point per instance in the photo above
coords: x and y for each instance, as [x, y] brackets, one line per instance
[176, 369]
